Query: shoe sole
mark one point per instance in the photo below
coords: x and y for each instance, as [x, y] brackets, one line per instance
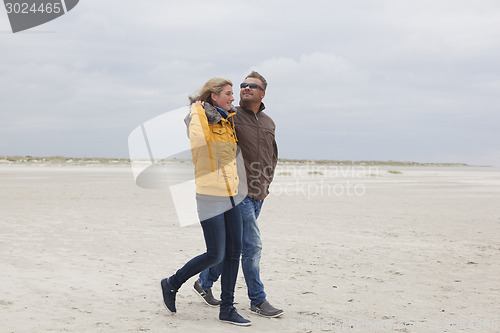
[237, 324]
[204, 300]
[266, 316]
[165, 306]
[163, 302]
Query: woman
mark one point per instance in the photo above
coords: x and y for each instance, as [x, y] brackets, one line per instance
[213, 147]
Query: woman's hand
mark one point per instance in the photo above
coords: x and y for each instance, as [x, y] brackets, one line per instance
[200, 102]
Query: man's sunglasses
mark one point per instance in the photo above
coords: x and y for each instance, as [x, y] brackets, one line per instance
[251, 85]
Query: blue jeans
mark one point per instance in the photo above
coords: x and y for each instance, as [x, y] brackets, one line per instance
[223, 234]
[251, 253]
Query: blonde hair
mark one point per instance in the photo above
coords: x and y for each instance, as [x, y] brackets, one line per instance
[214, 85]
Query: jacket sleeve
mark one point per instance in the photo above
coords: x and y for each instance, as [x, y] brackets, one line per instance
[275, 154]
[198, 134]
[274, 160]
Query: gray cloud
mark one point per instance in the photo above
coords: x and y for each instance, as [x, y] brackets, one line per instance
[347, 80]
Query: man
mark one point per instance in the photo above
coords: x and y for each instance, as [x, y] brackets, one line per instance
[255, 133]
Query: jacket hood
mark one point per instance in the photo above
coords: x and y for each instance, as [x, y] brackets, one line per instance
[213, 115]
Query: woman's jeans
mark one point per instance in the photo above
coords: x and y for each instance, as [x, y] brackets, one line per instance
[250, 260]
[223, 238]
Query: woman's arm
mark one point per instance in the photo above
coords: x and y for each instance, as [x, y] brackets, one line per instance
[198, 134]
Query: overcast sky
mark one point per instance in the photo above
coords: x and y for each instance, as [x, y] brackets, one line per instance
[349, 80]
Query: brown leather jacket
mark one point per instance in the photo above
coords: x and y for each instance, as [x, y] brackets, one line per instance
[255, 133]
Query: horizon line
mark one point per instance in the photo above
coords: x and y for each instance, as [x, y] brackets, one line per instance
[61, 158]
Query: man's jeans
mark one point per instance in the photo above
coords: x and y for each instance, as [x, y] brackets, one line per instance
[251, 253]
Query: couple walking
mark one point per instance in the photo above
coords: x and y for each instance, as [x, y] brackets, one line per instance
[228, 215]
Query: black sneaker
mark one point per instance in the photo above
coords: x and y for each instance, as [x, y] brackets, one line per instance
[168, 295]
[265, 309]
[232, 317]
[206, 295]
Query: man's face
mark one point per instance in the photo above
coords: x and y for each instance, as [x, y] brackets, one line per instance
[252, 95]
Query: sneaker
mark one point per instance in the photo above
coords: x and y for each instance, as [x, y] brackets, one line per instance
[168, 295]
[265, 309]
[233, 317]
[206, 295]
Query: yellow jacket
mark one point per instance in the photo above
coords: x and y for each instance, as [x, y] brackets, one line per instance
[213, 148]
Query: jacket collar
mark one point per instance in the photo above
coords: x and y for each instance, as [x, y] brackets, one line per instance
[244, 108]
[213, 115]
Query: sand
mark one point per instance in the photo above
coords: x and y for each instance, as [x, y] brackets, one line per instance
[83, 249]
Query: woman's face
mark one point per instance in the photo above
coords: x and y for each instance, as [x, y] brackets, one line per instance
[224, 99]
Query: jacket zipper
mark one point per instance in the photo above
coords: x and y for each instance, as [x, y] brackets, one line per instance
[258, 140]
[218, 169]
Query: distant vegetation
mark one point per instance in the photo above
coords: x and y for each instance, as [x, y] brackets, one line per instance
[378, 163]
[61, 160]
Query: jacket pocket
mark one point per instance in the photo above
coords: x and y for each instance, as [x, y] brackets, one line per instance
[219, 130]
[268, 138]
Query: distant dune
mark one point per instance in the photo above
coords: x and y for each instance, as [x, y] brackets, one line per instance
[62, 160]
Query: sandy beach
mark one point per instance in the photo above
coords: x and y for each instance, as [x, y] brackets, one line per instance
[349, 249]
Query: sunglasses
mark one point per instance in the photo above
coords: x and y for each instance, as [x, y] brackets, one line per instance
[251, 85]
